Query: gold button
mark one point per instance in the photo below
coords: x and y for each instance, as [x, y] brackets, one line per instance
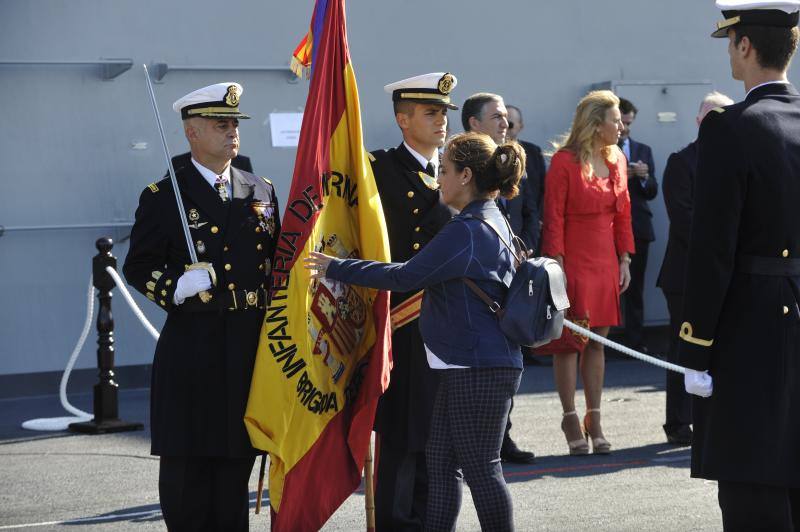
[214, 229]
[785, 309]
[785, 253]
[231, 286]
[416, 229]
[228, 267]
[410, 194]
[259, 247]
[163, 292]
[416, 245]
[168, 282]
[258, 229]
[161, 302]
[225, 248]
[260, 266]
[415, 211]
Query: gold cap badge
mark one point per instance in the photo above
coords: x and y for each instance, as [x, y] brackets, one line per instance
[232, 96]
[446, 83]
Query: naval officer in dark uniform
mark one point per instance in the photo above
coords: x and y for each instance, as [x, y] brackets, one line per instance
[406, 179]
[740, 330]
[204, 358]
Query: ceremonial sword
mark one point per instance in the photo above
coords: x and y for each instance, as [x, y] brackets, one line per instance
[205, 297]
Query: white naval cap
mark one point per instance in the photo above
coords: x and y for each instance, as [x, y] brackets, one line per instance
[433, 88]
[220, 100]
[776, 13]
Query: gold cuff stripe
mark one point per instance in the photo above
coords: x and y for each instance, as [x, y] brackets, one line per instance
[686, 335]
[426, 96]
[728, 22]
[407, 311]
[203, 110]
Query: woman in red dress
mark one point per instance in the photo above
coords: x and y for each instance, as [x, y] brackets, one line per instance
[587, 228]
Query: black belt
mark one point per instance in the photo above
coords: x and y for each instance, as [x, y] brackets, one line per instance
[776, 266]
[244, 299]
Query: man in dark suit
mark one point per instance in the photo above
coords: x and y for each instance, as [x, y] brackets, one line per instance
[486, 113]
[534, 169]
[740, 330]
[678, 184]
[204, 357]
[643, 187]
[406, 180]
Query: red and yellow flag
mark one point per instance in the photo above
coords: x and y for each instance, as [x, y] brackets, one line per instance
[323, 357]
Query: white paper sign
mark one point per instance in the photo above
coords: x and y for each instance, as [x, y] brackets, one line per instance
[285, 129]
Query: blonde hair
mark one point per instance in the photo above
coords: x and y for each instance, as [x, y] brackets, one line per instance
[590, 113]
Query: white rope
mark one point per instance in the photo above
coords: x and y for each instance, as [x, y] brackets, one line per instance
[62, 423]
[134, 307]
[622, 349]
[78, 415]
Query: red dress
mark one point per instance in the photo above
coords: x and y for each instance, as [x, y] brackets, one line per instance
[588, 222]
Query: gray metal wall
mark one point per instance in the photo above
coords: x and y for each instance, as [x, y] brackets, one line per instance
[66, 134]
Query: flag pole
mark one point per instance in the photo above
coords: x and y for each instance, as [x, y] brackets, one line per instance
[260, 491]
[369, 490]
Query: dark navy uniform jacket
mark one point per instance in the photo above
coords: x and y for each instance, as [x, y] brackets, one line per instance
[413, 216]
[741, 320]
[204, 358]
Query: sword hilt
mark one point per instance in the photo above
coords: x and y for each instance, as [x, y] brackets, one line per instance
[205, 296]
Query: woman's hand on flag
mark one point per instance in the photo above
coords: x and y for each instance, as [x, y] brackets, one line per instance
[318, 262]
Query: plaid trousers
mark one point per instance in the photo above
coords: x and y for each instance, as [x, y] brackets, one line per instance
[467, 427]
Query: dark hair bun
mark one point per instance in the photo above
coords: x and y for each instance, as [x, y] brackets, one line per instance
[506, 167]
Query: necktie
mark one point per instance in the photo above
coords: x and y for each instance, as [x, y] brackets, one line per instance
[430, 170]
[222, 189]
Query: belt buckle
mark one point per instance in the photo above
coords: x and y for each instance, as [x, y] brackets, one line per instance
[252, 299]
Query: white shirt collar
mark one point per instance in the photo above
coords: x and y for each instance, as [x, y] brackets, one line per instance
[777, 82]
[209, 175]
[422, 160]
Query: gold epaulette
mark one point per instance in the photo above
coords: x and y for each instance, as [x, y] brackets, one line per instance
[267, 181]
[718, 109]
[686, 335]
[153, 187]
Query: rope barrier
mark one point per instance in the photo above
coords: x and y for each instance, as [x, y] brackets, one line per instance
[131, 303]
[623, 349]
[61, 423]
[78, 415]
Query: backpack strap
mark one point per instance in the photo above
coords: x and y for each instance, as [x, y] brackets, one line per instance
[493, 305]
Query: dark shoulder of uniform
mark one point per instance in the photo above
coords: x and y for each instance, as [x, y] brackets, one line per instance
[378, 156]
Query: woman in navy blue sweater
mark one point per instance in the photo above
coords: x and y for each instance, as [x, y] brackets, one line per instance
[481, 368]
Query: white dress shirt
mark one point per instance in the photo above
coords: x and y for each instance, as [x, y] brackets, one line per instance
[211, 177]
[422, 160]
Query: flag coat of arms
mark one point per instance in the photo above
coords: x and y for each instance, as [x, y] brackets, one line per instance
[323, 355]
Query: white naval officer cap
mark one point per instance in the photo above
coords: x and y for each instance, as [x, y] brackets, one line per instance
[775, 13]
[433, 88]
[220, 100]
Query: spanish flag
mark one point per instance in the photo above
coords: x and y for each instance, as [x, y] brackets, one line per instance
[323, 356]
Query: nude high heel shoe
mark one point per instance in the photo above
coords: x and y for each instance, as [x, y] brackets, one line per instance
[599, 444]
[577, 447]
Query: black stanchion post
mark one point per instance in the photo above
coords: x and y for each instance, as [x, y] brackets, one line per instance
[106, 412]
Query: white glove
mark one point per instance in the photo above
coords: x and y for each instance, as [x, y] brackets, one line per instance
[190, 284]
[698, 383]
